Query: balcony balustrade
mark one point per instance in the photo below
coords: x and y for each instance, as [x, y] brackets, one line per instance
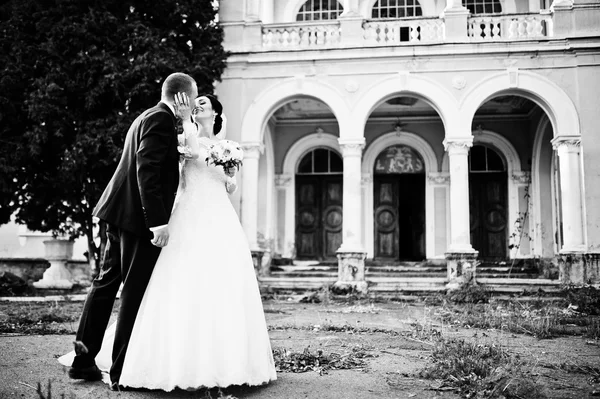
[452, 27]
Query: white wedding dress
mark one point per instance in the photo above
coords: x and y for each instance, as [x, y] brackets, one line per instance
[201, 322]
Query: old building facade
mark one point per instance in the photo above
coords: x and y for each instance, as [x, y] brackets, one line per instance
[417, 130]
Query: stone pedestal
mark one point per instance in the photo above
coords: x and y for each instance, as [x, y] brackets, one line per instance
[462, 268]
[592, 268]
[577, 268]
[351, 272]
[455, 22]
[57, 276]
[260, 269]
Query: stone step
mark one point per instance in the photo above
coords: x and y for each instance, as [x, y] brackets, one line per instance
[516, 285]
[296, 283]
[394, 268]
[405, 274]
[406, 284]
[285, 274]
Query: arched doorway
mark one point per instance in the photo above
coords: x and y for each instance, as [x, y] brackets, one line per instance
[319, 204]
[488, 193]
[399, 204]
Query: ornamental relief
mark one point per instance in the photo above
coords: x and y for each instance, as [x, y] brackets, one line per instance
[399, 159]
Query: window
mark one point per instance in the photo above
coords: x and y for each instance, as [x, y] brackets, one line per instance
[317, 10]
[320, 161]
[396, 9]
[484, 159]
[483, 6]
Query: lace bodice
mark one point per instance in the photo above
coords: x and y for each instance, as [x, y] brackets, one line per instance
[198, 179]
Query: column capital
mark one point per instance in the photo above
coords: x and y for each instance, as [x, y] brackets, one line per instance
[352, 148]
[252, 150]
[283, 181]
[521, 177]
[566, 142]
[458, 145]
[439, 178]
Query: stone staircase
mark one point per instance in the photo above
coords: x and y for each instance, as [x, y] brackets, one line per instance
[387, 278]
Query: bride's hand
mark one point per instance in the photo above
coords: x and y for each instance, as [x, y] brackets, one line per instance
[183, 106]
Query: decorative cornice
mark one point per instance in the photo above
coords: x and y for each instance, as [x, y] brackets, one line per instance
[439, 178]
[282, 181]
[521, 177]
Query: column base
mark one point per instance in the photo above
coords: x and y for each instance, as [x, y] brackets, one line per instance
[350, 287]
[462, 268]
[351, 272]
[57, 276]
[259, 269]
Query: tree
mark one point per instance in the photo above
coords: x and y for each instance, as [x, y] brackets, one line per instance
[75, 73]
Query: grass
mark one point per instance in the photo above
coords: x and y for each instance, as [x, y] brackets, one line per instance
[480, 370]
[576, 314]
[39, 317]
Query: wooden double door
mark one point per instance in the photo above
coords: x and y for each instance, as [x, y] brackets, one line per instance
[318, 216]
[488, 214]
[399, 216]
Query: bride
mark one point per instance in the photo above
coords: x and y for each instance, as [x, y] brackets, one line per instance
[201, 321]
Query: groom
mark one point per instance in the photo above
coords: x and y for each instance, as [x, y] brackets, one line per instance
[136, 206]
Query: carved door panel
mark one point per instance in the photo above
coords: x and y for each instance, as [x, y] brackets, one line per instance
[488, 214]
[386, 217]
[332, 216]
[308, 238]
[318, 216]
[399, 217]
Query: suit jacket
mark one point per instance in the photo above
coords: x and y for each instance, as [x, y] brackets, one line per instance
[142, 190]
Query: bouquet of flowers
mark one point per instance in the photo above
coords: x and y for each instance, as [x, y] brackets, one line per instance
[225, 153]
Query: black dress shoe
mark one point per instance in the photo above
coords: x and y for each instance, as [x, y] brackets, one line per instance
[114, 386]
[91, 373]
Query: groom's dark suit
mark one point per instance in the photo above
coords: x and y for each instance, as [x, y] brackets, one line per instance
[139, 196]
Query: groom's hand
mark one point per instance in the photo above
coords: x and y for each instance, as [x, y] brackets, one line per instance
[161, 237]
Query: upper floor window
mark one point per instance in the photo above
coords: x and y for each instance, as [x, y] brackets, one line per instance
[317, 10]
[483, 6]
[396, 9]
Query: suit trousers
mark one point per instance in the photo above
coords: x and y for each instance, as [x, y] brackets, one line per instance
[127, 259]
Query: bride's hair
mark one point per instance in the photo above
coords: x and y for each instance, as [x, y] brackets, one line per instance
[218, 110]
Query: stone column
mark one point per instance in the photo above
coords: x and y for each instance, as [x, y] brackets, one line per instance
[249, 205]
[351, 254]
[569, 160]
[461, 257]
[285, 215]
[571, 262]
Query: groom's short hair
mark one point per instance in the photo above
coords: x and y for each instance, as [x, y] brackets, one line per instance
[176, 83]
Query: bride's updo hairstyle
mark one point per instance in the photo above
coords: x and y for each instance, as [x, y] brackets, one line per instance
[218, 110]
